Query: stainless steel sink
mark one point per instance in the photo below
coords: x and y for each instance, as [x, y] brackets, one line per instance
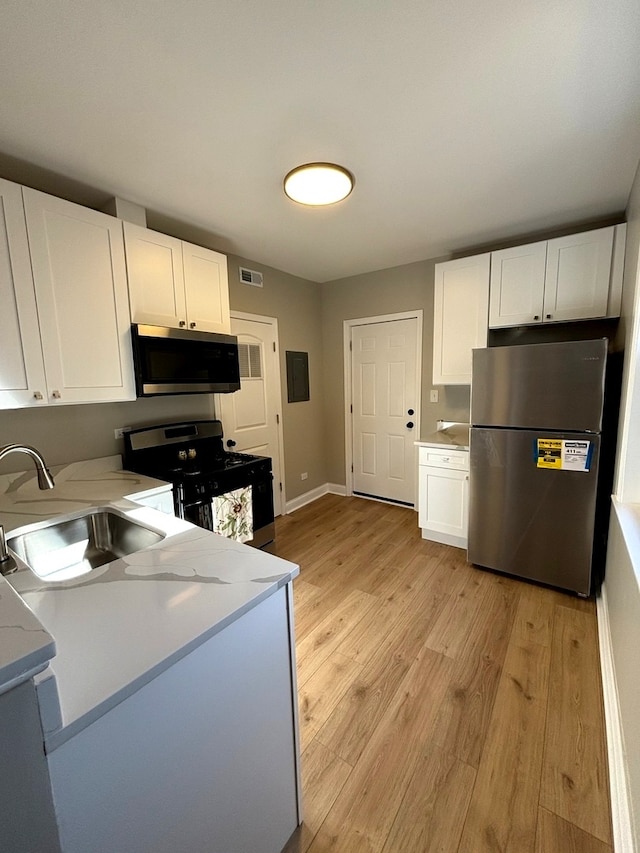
[65, 548]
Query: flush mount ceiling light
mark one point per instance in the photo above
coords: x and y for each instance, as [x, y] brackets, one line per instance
[318, 183]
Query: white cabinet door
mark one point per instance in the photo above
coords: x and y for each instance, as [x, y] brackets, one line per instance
[156, 279]
[443, 505]
[206, 289]
[22, 379]
[461, 300]
[176, 284]
[577, 276]
[517, 285]
[77, 257]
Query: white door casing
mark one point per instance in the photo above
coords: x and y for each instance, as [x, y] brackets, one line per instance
[252, 416]
[383, 385]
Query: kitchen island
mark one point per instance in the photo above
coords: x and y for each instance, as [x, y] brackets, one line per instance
[169, 709]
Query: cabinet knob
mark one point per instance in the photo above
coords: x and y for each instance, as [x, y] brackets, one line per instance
[536, 316]
[192, 325]
[182, 323]
[410, 412]
[410, 425]
[548, 316]
[37, 395]
[56, 395]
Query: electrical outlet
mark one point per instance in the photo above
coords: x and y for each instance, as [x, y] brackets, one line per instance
[304, 476]
[433, 395]
[120, 431]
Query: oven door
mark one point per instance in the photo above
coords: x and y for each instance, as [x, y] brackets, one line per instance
[199, 514]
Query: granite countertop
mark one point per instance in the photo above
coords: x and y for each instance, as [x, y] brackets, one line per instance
[453, 437]
[119, 626]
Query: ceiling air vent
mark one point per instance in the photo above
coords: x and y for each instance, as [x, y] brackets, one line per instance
[251, 277]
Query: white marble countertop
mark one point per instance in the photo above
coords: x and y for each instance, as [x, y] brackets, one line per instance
[119, 626]
[454, 437]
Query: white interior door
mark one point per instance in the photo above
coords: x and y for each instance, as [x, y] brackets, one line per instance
[384, 359]
[251, 416]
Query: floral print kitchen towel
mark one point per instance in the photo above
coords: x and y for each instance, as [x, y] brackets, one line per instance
[233, 514]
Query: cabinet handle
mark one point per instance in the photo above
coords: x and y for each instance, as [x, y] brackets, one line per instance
[56, 395]
[536, 316]
[192, 325]
[182, 323]
[37, 395]
[445, 459]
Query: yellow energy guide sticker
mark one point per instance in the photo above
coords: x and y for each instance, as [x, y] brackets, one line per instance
[563, 454]
[550, 453]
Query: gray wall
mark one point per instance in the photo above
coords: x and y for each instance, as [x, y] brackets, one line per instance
[621, 586]
[403, 288]
[297, 305]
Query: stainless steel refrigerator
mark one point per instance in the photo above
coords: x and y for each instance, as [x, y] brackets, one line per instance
[535, 459]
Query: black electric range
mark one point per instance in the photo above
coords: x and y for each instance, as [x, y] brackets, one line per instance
[191, 456]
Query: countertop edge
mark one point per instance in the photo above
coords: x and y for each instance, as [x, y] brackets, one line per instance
[56, 738]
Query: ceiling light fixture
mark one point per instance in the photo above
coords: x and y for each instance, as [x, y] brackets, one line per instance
[318, 183]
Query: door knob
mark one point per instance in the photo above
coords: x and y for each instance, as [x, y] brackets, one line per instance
[410, 425]
[231, 443]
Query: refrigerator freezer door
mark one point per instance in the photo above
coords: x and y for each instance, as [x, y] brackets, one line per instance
[530, 521]
[557, 386]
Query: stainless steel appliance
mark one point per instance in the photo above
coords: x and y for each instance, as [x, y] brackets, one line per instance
[191, 456]
[540, 463]
[177, 361]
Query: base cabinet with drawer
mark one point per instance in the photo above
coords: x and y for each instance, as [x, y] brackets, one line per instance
[443, 495]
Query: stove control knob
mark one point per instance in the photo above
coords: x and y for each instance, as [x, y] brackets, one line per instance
[191, 453]
[182, 455]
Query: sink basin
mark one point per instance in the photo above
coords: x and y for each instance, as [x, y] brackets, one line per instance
[66, 548]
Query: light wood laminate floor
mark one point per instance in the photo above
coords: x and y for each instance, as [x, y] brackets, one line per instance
[442, 708]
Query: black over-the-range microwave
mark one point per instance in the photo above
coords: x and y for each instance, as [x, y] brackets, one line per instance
[177, 361]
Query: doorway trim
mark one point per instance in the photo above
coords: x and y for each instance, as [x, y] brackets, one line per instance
[272, 321]
[348, 326]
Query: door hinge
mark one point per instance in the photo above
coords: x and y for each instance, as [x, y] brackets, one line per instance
[352, 469]
[351, 345]
[274, 346]
[277, 418]
[351, 408]
[280, 484]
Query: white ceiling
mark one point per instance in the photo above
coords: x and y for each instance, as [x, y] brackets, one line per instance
[464, 121]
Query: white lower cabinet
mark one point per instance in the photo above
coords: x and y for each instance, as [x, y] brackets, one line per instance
[202, 757]
[443, 495]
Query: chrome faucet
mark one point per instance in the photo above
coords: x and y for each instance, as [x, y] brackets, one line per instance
[45, 481]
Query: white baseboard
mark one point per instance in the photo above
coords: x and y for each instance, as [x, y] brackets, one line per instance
[313, 495]
[623, 840]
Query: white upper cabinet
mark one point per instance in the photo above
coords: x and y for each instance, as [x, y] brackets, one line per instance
[22, 379]
[65, 315]
[176, 284]
[577, 277]
[461, 299]
[517, 285]
[79, 275]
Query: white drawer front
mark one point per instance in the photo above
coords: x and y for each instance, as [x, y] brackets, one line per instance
[457, 460]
